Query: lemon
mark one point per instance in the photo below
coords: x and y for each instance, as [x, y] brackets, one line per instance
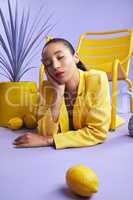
[15, 123]
[82, 180]
[30, 121]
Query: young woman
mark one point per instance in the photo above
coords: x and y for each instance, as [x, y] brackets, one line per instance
[75, 111]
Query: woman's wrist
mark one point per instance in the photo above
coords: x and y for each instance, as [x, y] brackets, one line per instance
[55, 109]
[48, 140]
[57, 97]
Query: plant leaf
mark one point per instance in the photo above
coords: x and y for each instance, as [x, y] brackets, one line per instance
[4, 62]
[22, 40]
[5, 75]
[22, 35]
[8, 38]
[23, 72]
[6, 72]
[5, 48]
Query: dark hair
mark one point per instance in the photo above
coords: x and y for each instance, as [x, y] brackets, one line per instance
[80, 65]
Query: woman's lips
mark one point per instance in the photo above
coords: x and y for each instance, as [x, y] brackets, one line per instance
[59, 73]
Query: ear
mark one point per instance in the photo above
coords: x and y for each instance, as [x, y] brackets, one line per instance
[76, 57]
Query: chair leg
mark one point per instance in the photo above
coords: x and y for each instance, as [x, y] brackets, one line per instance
[131, 103]
[114, 94]
[113, 112]
[130, 87]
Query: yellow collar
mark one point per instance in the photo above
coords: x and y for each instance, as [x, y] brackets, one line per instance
[81, 86]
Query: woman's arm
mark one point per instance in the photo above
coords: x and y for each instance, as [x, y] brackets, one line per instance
[49, 114]
[50, 109]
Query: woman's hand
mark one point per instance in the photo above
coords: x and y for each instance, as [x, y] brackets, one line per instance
[59, 88]
[57, 96]
[33, 140]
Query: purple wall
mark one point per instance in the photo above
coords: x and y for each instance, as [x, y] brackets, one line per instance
[74, 17]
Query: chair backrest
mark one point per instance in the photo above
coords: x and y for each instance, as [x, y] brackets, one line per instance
[98, 50]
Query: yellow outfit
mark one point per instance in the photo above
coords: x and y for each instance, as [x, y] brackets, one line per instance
[91, 113]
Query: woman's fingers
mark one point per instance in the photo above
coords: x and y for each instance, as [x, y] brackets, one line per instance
[51, 79]
[18, 138]
[22, 139]
[23, 145]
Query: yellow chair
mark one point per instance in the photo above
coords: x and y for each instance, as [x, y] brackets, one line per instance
[42, 71]
[110, 52]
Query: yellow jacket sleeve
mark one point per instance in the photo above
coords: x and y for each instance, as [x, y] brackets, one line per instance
[97, 122]
[46, 125]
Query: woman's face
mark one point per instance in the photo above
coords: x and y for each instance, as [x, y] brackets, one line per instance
[60, 64]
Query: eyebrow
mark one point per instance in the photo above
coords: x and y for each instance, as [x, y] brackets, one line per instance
[59, 51]
[56, 52]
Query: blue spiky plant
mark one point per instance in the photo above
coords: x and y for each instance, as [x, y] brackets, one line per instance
[20, 40]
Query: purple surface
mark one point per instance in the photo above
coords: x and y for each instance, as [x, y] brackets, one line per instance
[39, 173]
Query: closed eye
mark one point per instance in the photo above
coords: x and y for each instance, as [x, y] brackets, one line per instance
[60, 57]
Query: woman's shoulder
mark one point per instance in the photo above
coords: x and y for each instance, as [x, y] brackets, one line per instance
[95, 75]
[94, 79]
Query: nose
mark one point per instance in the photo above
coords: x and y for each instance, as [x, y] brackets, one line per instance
[56, 64]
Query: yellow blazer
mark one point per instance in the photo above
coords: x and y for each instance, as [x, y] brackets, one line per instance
[91, 113]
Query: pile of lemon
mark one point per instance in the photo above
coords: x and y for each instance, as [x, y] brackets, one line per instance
[29, 121]
[82, 180]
